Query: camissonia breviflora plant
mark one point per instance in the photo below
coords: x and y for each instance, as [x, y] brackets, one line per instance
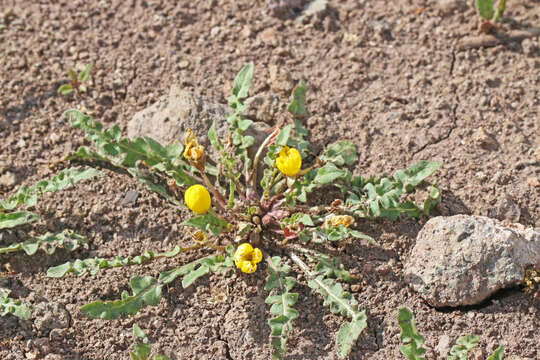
[15, 214]
[251, 223]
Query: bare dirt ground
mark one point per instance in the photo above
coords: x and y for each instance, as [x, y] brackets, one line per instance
[385, 74]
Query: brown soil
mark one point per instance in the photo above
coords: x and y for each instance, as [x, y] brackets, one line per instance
[384, 74]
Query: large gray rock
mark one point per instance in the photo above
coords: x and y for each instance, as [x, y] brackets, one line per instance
[168, 120]
[462, 260]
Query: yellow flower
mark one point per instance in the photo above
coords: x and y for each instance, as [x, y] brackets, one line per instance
[337, 220]
[198, 199]
[194, 151]
[246, 258]
[289, 161]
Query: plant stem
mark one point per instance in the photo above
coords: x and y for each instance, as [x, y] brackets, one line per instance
[257, 157]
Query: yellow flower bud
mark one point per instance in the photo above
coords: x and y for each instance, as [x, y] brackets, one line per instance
[246, 258]
[289, 161]
[198, 199]
[194, 152]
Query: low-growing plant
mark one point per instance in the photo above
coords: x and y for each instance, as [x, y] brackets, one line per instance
[413, 341]
[490, 14]
[242, 220]
[12, 217]
[532, 282]
[140, 348]
[77, 81]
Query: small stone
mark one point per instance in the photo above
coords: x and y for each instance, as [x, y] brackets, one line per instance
[443, 347]
[462, 260]
[8, 179]
[536, 154]
[270, 37]
[356, 288]
[50, 315]
[316, 7]
[484, 140]
[506, 209]
[263, 107]
[215, 31]
[448, 7]
[54, 138]
[129, 198]
[183, 64]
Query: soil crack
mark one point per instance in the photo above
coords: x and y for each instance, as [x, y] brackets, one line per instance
[448, 133]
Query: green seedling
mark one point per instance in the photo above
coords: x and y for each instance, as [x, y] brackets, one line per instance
[77, 81]
[140, 348]
[14, 215]
[490, 14]
[412, 341]
[241, 219]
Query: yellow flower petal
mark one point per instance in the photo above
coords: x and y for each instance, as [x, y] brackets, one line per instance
[198, 199]
[242, 252]
[256, 256]
[248, 267]
[289, 161]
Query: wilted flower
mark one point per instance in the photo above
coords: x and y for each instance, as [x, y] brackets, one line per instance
[194, 152]
[198, 199]
[289, 161]
[246, 258]
[337, 220]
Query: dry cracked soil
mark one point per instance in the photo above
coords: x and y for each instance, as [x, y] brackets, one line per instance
[387, 75]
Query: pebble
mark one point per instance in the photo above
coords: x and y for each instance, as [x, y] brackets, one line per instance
[8, 179]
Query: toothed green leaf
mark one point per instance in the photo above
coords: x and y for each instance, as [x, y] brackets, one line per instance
[298, 104]
[340, 153]
[464, 344]
[85, 74]
[281, 300]
[13, 306]
[10, 220]
[49, 242]
[62, 180]
[93, 265]
[498, 354]
[410, 337]
[243, 80]
[349, 333]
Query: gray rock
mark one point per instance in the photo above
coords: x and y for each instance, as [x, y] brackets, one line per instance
[168, 119]
[462, 260]
[50, 315]
[130, 197]
[263, 107]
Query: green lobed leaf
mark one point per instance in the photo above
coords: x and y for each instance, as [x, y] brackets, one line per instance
[93, 265]
[298, 104]
[12, 219]
[13, 306]
[146, 291]
[85, 74]
[242, 82]
[298, 140]
[340, 153]
[327, 174]
[65, 89]
[416, 173]
[410, 337]
[498, 354]
[282, 301]
[339, 301]
[62, 180]
[485, 8]
[464, 344]
[329, 267]
[348, 334]
[48, 242]
[207, 222]
[284, 135]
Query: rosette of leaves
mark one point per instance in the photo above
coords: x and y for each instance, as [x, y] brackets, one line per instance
[77, 81]
[412, 341]
[272, 212]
